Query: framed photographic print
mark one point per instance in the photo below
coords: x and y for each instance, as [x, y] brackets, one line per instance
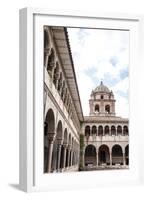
[79, 99]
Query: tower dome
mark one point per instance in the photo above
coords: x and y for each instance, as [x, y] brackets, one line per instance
[102, 102]
[101, 88]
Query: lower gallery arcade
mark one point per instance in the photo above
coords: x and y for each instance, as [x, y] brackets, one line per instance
[106, 155]
[106, 144]
[60, 147]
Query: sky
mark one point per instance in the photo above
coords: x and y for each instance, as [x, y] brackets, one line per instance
[101, 55]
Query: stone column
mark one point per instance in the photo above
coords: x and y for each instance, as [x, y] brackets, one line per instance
[68, 156]
[103, 130]
[83, 156]
[64, 158]
[51, 142]
[110, 158]
[71, 158]
[50, 155]
[74, 158]
[97, 158]
[90, 131]
[78, 156]
[54, 157]
[59, 155]
[124, 160]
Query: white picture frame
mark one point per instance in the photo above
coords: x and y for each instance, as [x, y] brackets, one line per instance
[31, 178]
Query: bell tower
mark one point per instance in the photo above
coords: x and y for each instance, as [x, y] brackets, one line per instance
[102, 102]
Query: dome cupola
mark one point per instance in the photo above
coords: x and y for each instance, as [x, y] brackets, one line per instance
[101, 88]
[102, 102]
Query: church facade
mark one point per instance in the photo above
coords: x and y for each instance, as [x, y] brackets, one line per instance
[105, 135]
[74, 142]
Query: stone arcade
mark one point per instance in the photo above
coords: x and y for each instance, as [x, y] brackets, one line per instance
[73, 142]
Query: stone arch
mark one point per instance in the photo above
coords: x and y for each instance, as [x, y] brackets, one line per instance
[94, 129]
[106, 130]
[90, 155]
[119, 130]
[87, 130]
[127, 154]
[65, 140]
[49, 134]
[51, 61]
[100, 130]
[113, 130]
[117, 155]
[59, 131]
[97, 108]
[104, 154]
[69, 139]
[49, 124]
[65, 136]
[125, 130]
[107, 108]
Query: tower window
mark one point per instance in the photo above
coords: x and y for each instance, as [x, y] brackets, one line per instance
[96, 108]
[107, 109]
[102, 97]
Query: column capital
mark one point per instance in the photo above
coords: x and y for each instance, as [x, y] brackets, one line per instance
[65, 145]
[69, 147]
[51, 136]
[59, 141]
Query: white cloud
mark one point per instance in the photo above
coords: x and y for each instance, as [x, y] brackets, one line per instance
[122, 85]
[105, 67]
[105, 51]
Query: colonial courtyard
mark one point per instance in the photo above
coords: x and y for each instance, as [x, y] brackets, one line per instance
[72, 141]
